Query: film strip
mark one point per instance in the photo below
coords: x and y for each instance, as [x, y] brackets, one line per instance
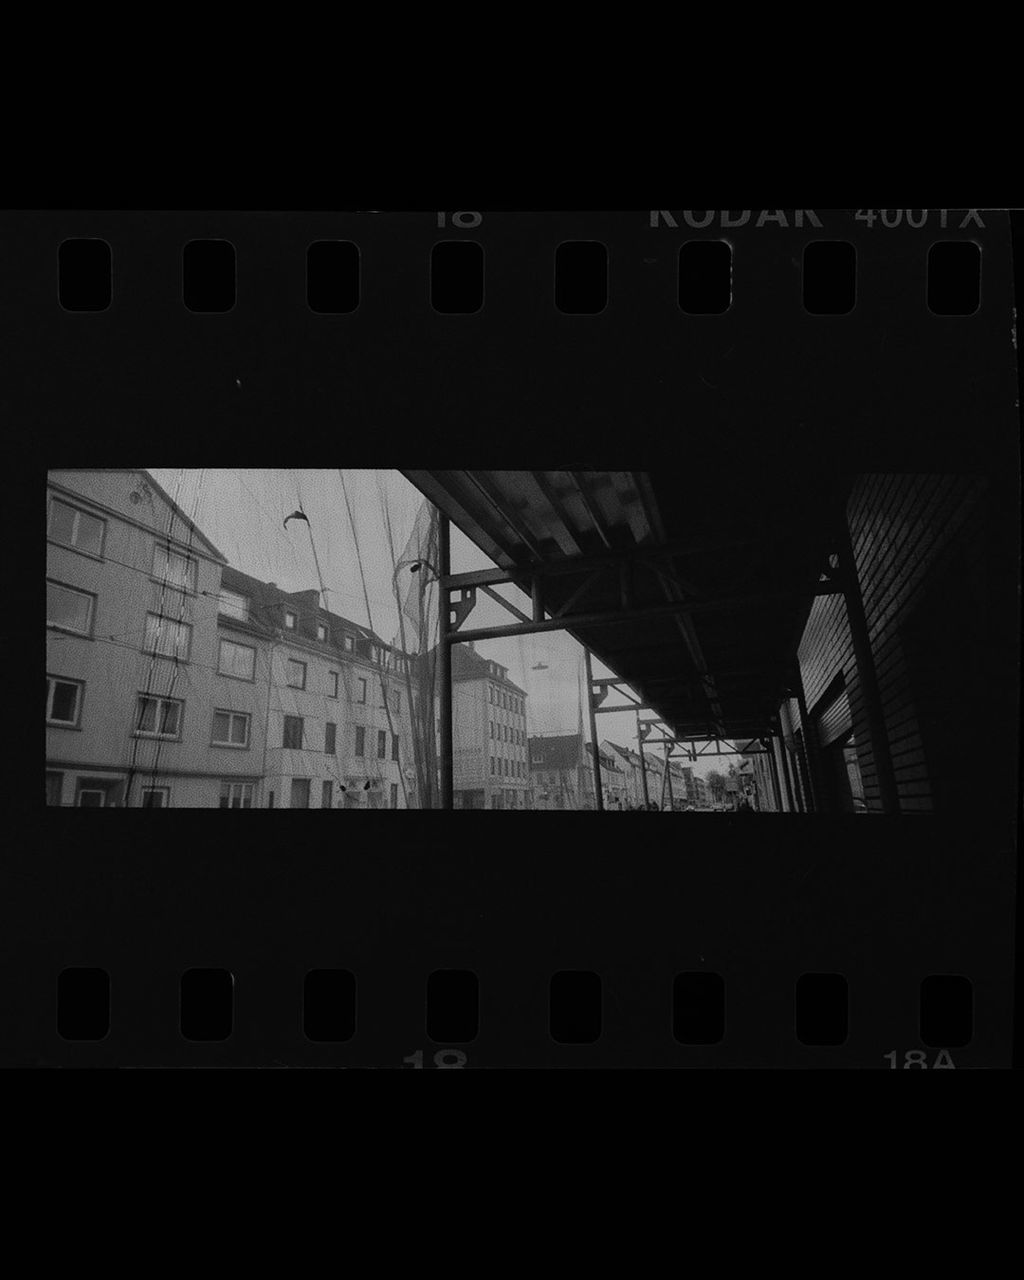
[780, 518]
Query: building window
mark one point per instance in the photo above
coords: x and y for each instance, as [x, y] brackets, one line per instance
[382, 744]
[75, 528]
[300, 793]
[321, 631]
[360, 740]
[360, 690]
[490, 725]
[292, 733]
[289, 620]
[156, 797]
[237, 795]
[158, 717]
[167, 637]
[492, 764]
[394, 746]
[329, 738]
[296, 674]
[332, 684]
[54, 787]
[396, 701]
[394, 795]
[238, 660]
[68, 609]
[230, 729]
[64, 701]
[174, 569]
[232, 605]
[347, 644]
[327, 794]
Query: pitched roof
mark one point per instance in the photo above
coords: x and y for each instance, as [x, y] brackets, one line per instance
[194, 529]
[469, 665]
[267, 600]
[179, 513]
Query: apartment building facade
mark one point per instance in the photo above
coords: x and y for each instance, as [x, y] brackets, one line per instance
[132, 652]
[490, 767]
[332, 741]
[175, 681]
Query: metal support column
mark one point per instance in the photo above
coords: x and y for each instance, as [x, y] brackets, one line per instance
[643, 761]
[668, 775]
[445, 658]
[794, 807]
[807, 744]
[776, 788]
[884, 772]
[593, 734]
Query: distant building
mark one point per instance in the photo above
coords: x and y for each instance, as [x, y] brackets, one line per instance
[613, 778]
[632, 775]
[490, 769]
[560, 776]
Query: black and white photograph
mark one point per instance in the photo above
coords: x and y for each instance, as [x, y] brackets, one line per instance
[706, 513]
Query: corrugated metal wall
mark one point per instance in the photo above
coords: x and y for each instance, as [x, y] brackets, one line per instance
[907, 531]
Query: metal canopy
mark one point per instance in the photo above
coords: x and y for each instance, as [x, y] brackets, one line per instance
[692, 588]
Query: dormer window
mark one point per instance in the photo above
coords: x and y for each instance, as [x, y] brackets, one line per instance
[289, 620]
[233, 605]
[321, 631]
[348, 644]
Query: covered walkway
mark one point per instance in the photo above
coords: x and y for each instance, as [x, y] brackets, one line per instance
[692, 588]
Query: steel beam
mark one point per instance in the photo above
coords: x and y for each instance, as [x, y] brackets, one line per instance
[500, 504]
[445, 664]
[592, 511]
[548, 490]
[579, 593]
[558, 566]
[643, 762]
[507, 604]
[612, 619]
[593, 733]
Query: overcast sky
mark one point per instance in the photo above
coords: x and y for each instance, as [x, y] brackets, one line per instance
[241, 512]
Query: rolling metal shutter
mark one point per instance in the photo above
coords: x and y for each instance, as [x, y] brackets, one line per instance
[834, 720]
